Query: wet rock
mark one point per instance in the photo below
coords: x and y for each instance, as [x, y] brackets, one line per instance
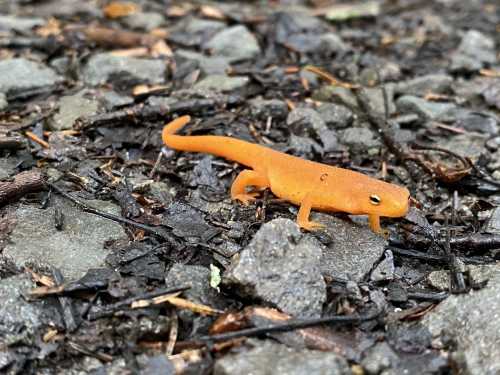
[475, 50]
[112, 100]
[188, 222]
[264, 108]
[385, 269]
[331, 93]
[20, 320]
[309, 118]
[268, 357]
[222, 83]
[421, 86]
[493, 224]
[209, 65]
[204, 175]
[306, 34]
[198, 278]
[379, 358]
[377, 100]
[335, 115]
[467, 145]
[3, 101]
[20, 76]
[22, 24]
[492, 95]
[303, 146]
[426, 110]
[281, 266]
[235, 43]
[359, 139]
[8, 166]
[478, 122]
[71, 107]
[105, 67]
[306, 117]
[439, 280]
[144, 21]
[74, 249]
[472, 321]
[353, 250]
[194, 31]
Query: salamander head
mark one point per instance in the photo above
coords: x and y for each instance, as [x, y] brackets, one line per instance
[384, 199]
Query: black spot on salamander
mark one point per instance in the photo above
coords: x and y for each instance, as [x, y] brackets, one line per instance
[323, 177]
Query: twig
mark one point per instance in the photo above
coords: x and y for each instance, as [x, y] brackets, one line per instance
[23, 183]
[142, 112]
[11, 143]
[149, 229]
[288, 326]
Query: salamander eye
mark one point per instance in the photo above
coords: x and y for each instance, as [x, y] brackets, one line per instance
[375, 199]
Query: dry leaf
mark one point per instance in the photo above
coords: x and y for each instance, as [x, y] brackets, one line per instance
[212, 12]
[118, 9]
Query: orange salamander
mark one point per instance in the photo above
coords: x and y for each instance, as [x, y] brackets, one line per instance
[302, 182]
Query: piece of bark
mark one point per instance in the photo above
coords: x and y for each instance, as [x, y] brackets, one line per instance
[23, 183]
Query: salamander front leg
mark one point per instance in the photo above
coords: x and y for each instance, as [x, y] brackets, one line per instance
[374, 221]
[243, 180]
[303, 215]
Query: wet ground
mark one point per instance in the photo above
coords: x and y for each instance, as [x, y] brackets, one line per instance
[119, 255]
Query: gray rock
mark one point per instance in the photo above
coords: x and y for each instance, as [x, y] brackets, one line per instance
[473, 321]
[111, 100]
[264, 108]
[235, 43]
[8, 166]
[20, 320]
[326, 44]
[439, 280]
[331, 93]
[198, 278]
[208, 64]
[193, 31]
[358, 139]
[493, 224]
[304, 147]
[307, 117]
[478, 122]
[353, 251]
[467, 145]
[222, 83]
[71, 107]
[385, 269]
[311, 118]
[74, 249]
[476, 49]
[281, 267]
[379, 358]
[19, 76]
[8, 22]
[61, 65]
[426, 110]
[336, 115]
[421, 86]
[144, 20]
[3, 101]
[491, 94]
[267, 358]
[105, 67]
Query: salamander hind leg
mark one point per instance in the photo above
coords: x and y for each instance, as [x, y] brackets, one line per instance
[303, 215]
[245, 179]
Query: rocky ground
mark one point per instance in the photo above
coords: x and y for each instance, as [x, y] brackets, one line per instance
[121, 256]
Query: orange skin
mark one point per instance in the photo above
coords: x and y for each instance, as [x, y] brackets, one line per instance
[302, 182]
